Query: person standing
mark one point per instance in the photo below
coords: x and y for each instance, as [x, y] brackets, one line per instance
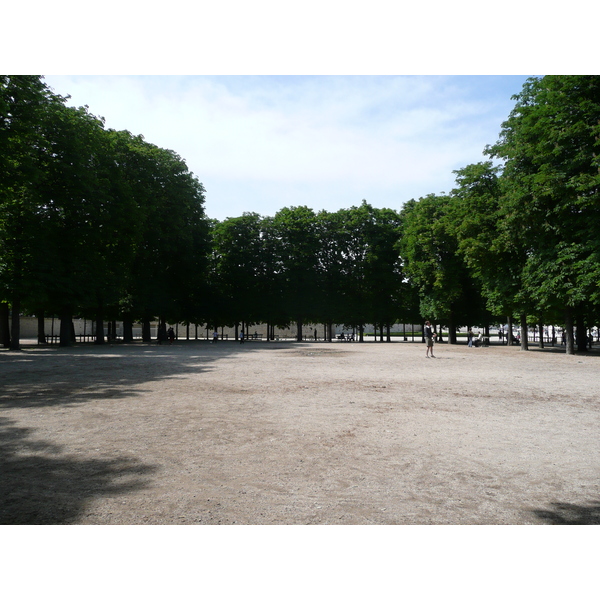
[242, 336]
[429, 337]
[470, 337]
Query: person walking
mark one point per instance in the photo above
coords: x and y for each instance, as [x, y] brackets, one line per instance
[429, 337]
[470, 337]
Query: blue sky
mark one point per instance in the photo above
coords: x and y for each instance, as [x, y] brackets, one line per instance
[259, 143]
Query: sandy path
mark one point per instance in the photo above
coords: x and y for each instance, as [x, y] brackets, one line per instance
[288, 433]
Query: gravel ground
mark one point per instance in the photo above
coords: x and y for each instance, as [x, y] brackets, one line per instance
[298, 433]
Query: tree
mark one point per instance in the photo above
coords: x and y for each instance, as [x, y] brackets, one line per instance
[484, 239]
[550, 204]
[24, 105]
[239, 258]
[429, 250]
[170, 258]
[296, 246]
[94, 221]
[81, 217]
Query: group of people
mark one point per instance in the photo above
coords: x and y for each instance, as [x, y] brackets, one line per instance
[168, 335]
[470, 342]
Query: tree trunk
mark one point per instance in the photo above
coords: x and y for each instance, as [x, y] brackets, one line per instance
[570, 349]
[4, 325]
[15, 325]
[127, 329]
[581, 333]
[361, 333]
[161, 334]
[388, 335]
[99, 327]
[299, 330]
[524, 340]
[541, 326]
[509, 333]
[41, 331]
[146, 331]
[451, 329]
[66, 324]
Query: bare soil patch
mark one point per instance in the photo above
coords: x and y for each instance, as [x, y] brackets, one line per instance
[298, 433]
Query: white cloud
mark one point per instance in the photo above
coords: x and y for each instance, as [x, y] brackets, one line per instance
[321, 140]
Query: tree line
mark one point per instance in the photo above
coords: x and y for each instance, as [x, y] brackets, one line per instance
[102, 224]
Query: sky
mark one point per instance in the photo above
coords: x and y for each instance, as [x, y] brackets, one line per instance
[322, 104]
[262, 143]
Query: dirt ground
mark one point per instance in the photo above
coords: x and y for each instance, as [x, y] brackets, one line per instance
[298, 433]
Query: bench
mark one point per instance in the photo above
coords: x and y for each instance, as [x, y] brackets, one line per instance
[345, 338]
[87, 337]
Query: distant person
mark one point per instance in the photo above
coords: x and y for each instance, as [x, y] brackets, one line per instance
[315, 335]
[171, 336]
[429, 337]
[215, 336]
[470, 338]
[242, 337]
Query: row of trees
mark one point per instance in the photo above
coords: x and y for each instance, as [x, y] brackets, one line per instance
[526, 230]
[93, 221]
[101, 223]
[306, 267]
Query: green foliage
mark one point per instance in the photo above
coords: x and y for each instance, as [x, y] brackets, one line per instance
[89, 217]
[434, 261]
[551, 204]
[103, 223]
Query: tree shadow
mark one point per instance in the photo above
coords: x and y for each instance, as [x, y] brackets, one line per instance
[41, 482]
[41, 376]
[41, 485]
[570, 514]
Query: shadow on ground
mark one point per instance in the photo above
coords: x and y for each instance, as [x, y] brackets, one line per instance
[40, 481]
[563, 513]
[49, 376]
[40, 485]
